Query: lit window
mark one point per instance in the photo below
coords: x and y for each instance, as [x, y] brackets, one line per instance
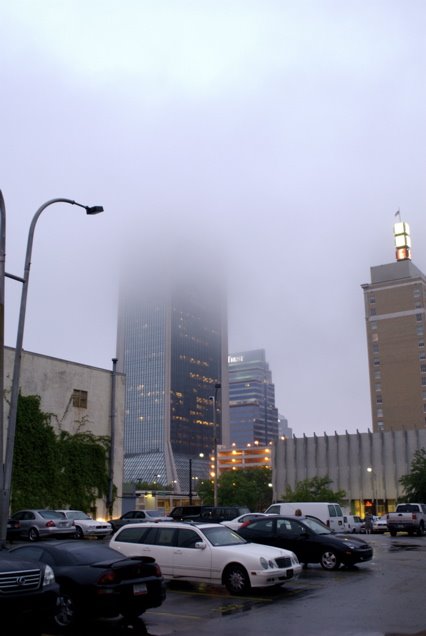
[79, 399]
[375, 337]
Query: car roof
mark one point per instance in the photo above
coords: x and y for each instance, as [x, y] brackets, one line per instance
[173, 524]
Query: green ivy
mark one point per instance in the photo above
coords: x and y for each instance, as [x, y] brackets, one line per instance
[55, 470]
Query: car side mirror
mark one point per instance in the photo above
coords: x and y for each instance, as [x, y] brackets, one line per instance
[200, 545]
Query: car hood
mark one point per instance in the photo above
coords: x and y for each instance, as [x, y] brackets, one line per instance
[340, 539]
[257, 550]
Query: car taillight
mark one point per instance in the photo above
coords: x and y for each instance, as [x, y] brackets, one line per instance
[157, 570]
[414, 515]
[106, 578]
[50, 524]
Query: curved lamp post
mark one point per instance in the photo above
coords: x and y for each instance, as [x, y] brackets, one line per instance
[11, 429]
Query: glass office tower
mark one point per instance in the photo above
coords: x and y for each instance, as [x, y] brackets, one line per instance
[172, 346]
[252, 411]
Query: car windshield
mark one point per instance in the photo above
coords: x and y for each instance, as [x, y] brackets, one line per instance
[316, 526]
[76, 514]
[222, 536]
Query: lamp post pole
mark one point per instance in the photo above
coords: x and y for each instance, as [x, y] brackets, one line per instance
[3, 508]
[373, 483]
[11, 429]
[214, 400]
[190, 481]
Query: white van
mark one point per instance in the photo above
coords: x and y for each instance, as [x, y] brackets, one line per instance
[353, 523]
[329, 513]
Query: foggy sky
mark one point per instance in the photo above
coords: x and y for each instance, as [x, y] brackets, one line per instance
[283, 135]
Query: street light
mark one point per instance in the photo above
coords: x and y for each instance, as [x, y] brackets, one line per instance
[213, 398]
[373, 481]
[7, 462]
[201, 455]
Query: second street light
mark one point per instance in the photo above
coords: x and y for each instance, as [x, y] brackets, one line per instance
[7, 462]
[213, 398]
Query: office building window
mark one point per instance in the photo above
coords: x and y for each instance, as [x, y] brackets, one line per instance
[419, 317]
[419, 331]
[424, 381]
[379, 412]
[373, 325]
[379, 399]
[423, 368]
[422, 355]
[416, 293]
[375, 337]
[375, 348]
[79, 399]
[372, 311]
[380, 426]
[376, 362]
[377, 375]
[421, 343]
[372, 298]
[424, 395]
[378, 387]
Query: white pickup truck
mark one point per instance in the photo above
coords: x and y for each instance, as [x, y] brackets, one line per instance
[408, 517]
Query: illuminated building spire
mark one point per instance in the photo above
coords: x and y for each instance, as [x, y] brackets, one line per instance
[401, 232]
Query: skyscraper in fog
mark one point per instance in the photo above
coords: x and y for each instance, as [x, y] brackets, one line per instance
[252, 412]
[172, 346]
[395, 305]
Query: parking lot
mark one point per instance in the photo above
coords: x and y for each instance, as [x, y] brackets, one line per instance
[382, 597]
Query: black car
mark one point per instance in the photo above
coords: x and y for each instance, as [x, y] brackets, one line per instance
[29, 594]
[134, 516]
[207, 514]
[97, 582]
[309, 539]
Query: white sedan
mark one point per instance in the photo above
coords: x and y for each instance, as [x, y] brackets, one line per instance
[236, 523]
[207, 553]
[86, 526]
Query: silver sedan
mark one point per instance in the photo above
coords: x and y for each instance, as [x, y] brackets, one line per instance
[37, 523]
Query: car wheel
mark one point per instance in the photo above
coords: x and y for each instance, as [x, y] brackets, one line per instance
[421, 530]
[329, 560]
[33, 534]
[67, 614]
[236, 579]
[79, 533]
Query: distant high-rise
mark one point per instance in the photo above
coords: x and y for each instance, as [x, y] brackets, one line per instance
[395, 304]
[283, 428]
[172, 346]
[252, 412]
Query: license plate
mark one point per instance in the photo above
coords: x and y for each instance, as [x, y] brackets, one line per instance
[139, 588]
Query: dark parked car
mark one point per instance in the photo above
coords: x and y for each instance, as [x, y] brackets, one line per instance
[13, 530]
[28, 594]
[134, 516]
[309, 539]
[97, 582]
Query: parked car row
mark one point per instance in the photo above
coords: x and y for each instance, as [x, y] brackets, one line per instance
[65, 583]
[34, 524]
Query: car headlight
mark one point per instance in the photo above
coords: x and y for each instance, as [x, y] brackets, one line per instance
[264, 563]
[49, 576]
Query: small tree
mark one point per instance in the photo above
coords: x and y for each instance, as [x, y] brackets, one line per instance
[248, 487]
[415, 482]
[314, 489]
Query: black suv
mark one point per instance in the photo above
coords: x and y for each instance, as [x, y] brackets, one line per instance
[28, 594]
[214, 514]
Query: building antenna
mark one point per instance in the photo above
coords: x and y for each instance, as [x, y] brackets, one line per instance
[398, 214]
